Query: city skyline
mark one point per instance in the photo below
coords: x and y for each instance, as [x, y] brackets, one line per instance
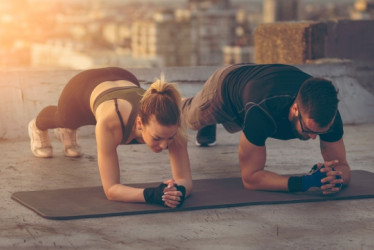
[51, 32]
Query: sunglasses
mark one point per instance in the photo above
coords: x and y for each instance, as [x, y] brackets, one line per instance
[308, 131]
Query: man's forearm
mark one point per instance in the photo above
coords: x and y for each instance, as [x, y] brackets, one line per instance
[266, 180]
[346, 170]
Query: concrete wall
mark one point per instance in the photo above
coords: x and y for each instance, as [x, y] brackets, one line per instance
[23, 93]
[302, 42]
[289, 42]
[350, 40]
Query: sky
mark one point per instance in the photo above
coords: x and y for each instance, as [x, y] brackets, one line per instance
[233, 1]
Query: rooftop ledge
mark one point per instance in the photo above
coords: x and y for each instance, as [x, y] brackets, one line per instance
[23, 93]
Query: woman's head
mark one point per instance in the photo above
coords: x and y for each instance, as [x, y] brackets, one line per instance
[161, 103]
[162, 100]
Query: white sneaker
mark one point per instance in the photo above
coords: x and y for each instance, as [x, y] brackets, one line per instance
[39, 141]
[69, 138]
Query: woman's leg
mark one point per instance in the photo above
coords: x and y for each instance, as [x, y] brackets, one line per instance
[50, 118]
[71, 113]
[73, 109]
[46, 118]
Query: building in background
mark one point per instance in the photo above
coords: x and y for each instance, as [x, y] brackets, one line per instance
[280, 10]
[197, 5]
[362, 10]
[95, 33]
[186, 37]
[69, 54]
[166, 36]
[243, 49]
[213, 27]
[238, 54]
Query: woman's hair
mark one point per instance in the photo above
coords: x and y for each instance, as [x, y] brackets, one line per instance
[319, 98]
[164, 101]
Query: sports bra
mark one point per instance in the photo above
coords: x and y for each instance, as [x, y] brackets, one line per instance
[130, 94]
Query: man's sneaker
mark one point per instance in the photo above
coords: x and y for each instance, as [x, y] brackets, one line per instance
[39, 141]
[69, 138]
[206, 137]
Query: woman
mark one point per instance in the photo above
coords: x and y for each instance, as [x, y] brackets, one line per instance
[124, 113]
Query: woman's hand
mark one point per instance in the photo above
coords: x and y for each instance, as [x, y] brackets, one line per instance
[172, 196]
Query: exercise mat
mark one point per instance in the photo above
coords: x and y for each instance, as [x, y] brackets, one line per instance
[88, 202]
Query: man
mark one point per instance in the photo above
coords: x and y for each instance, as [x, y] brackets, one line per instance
[277, 101]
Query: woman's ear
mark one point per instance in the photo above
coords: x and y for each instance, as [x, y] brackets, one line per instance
[138, 123]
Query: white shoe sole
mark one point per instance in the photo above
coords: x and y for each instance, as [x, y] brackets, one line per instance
[36, 152]
[205, 145]
[67, 152]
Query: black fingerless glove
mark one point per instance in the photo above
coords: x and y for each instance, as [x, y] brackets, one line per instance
[182, 189]
[154, 195]
[303, 183]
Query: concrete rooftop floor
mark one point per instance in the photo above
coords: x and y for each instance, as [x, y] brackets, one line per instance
[321, 225]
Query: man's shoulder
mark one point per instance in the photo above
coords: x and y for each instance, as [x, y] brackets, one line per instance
[258, 125]
[337, 130]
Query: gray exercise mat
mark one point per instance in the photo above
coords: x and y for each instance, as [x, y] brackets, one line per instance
[75, 203]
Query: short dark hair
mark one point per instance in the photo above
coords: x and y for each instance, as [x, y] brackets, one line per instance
[318, 97]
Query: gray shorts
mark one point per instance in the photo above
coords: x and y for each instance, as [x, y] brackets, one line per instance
[207, 106]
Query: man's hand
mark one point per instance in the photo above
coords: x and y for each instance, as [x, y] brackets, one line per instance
[326, 178]
[332, 183]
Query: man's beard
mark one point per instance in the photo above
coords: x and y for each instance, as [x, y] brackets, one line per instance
[295, 121]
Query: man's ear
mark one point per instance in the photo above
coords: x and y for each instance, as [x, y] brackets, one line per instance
[294, 108]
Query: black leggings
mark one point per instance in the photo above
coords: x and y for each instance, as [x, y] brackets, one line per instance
[73, 109]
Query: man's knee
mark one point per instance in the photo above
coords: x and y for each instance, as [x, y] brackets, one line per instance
[188, 114]
[190, 124]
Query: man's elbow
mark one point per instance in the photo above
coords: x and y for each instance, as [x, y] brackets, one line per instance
[347, 179]
[346, 170]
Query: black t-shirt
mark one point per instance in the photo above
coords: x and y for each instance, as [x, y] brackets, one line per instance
[261, 96]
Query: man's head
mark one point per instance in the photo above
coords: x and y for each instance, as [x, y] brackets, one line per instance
[315, 106]
[318, 99]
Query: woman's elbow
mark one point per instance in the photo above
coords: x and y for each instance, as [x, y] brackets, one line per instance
[110, 194]
[249, 184]
[189, 190]
[188, 186]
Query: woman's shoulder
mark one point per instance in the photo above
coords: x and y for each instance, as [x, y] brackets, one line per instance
[109, 115]
[107, 126]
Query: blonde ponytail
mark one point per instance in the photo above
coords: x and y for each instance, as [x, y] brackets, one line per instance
[163, 100]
